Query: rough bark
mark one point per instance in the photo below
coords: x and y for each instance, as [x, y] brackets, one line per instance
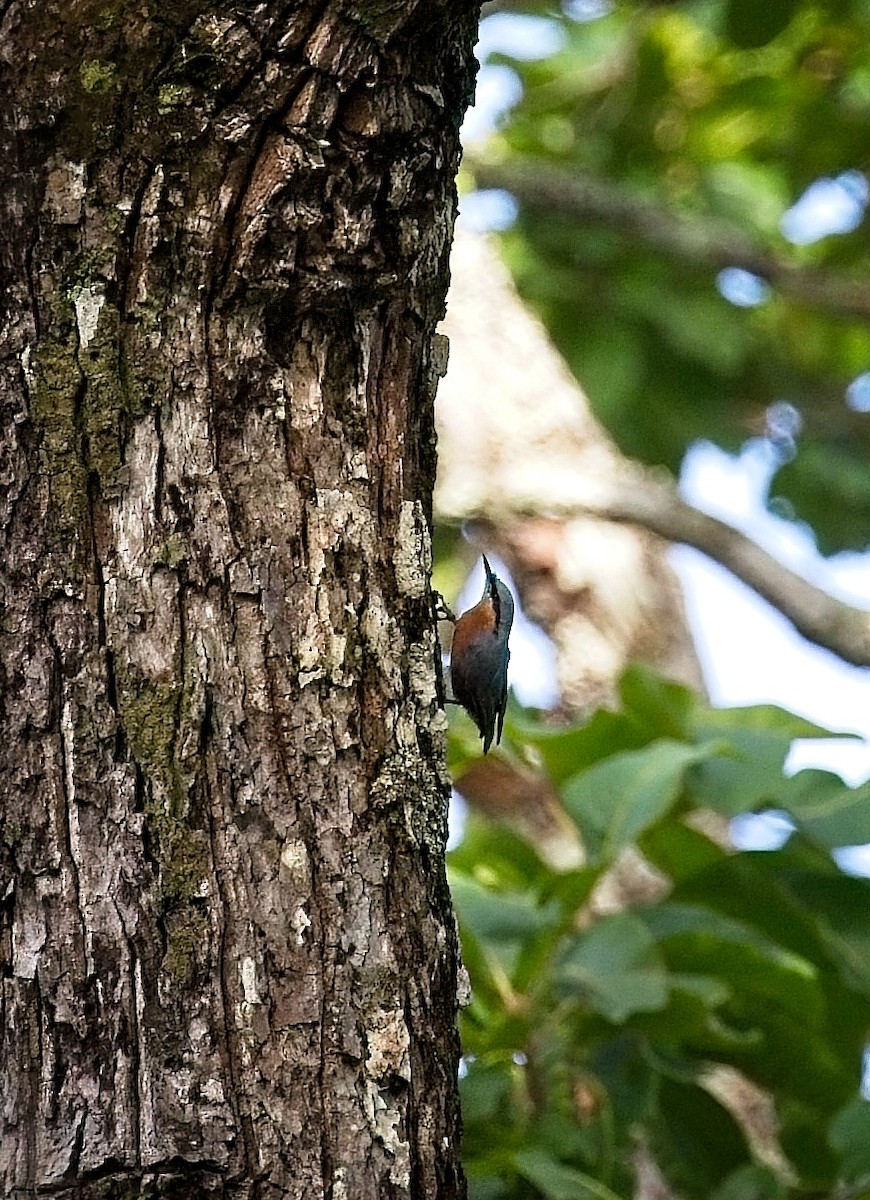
[227, 958]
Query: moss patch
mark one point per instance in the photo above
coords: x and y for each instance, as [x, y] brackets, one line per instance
[54, 409]
[78, 401]
[97, 76]
[149, 714]
[187, 938]
[152, 714]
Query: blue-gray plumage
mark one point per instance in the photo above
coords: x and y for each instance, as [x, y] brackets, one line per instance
[479, 657]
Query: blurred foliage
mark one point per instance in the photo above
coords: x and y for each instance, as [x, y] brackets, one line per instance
[587, 1039]
[657, 145]
[709, 119]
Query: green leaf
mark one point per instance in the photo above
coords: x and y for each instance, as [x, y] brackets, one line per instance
[617, 799]
[568, 751]
[498, 857]
[503, 932]
[697, 1142]
[558, 1182]
[699, 325]
[762, 718]
[837, 906]
[753, 193]
[571, 888]
[697, 1015]
[801, 902]
[748, 775]
[828, 809]
[661, 706]
[486, 1090]
[751, 1182]
[486, 1187]
[698, 940]
[679, 851]
[828, 485]
[711, 992]
[624, 1069]
[498, 916]
[849, 1136]
[803, 1139]
[615, 967]
[488, 978]
[750, 24]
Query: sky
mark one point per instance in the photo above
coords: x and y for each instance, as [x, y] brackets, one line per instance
[749, 652]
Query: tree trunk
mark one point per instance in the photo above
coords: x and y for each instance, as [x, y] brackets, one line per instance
[227, 956]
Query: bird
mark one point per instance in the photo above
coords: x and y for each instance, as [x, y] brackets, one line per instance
[479, 657]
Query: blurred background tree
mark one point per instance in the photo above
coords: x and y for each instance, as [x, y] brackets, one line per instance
[680, 191]
[665, 159]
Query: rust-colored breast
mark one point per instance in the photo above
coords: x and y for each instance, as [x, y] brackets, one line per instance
[478, 620]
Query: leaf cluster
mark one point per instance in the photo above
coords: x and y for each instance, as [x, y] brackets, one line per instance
[698, 125]
[595, 1037]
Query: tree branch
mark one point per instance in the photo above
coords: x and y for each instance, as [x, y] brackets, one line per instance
[642, 498]
[713, 243]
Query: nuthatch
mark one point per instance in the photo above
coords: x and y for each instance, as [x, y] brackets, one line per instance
[479, 657]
